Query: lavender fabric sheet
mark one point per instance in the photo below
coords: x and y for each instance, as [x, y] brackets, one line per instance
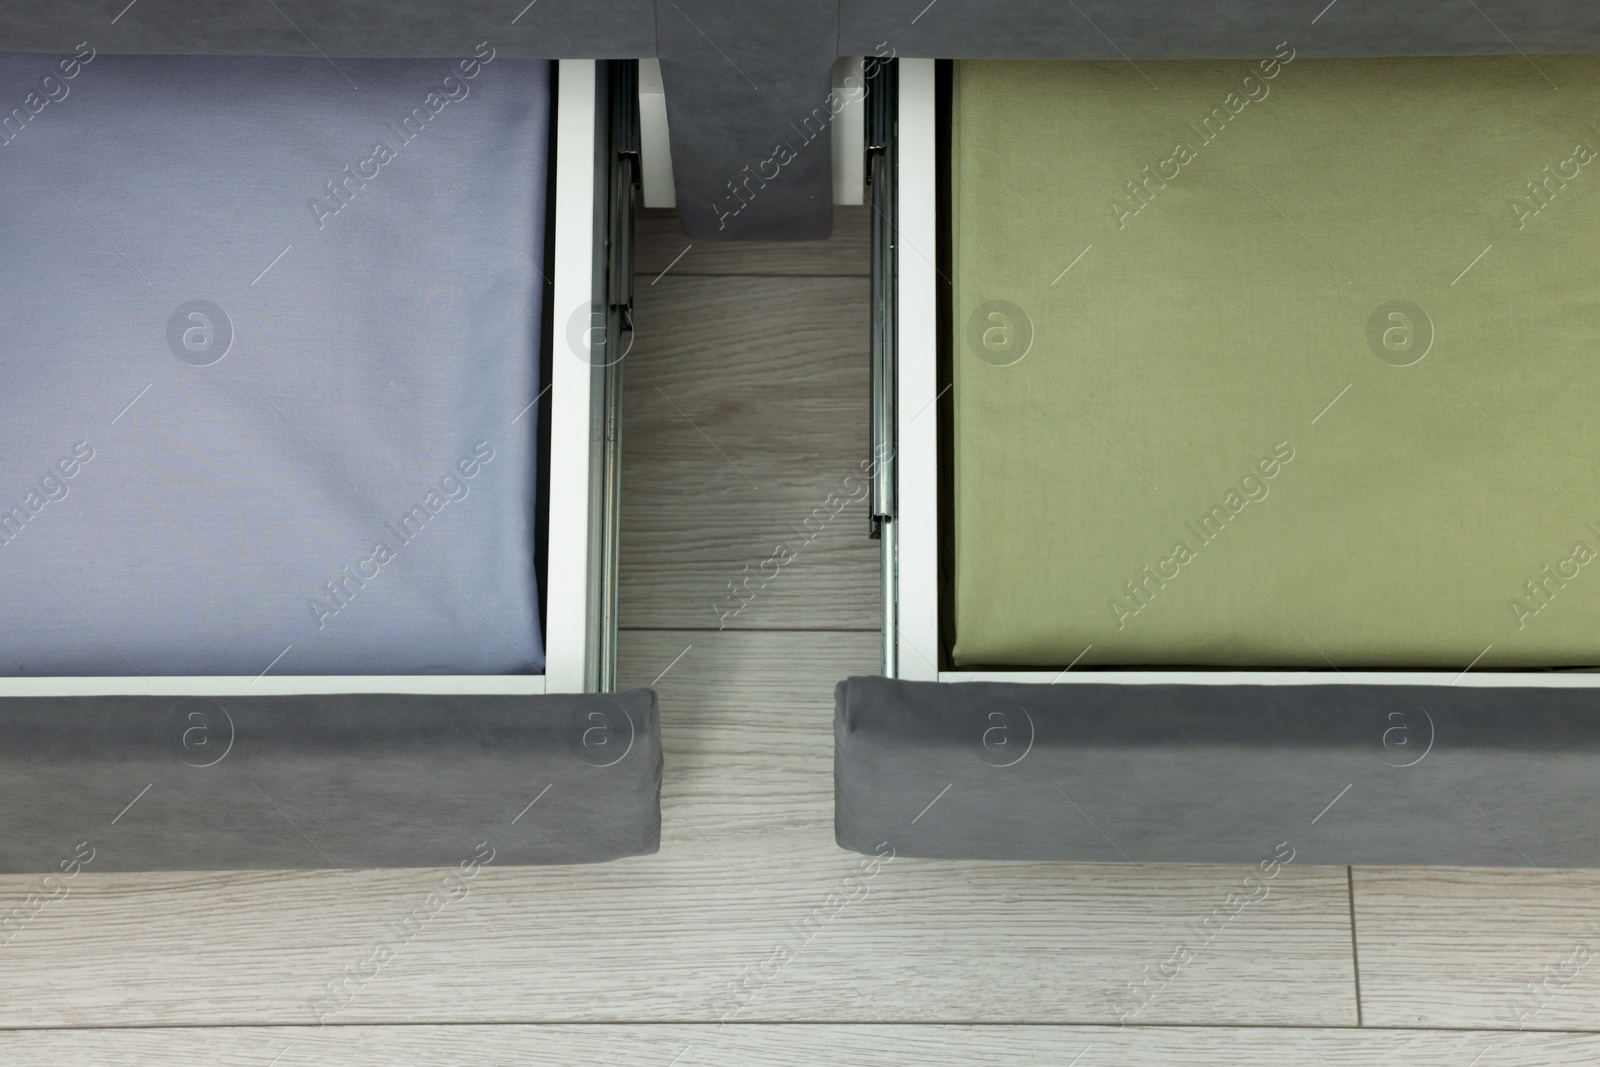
[269, 337]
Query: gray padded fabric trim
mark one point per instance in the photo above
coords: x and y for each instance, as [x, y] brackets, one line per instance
[549, 29]
[741, 79]
[326, 781]
[1206, 29]
[784, 48]
[1219, 774]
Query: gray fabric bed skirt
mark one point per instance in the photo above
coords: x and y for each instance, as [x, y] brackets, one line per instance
[1325, 774]
[292, 782]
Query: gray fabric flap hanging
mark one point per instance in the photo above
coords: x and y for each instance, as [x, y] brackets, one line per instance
[743, 76]
[551, 29]
[301, 782]
[1327, 773]
[1214, 29]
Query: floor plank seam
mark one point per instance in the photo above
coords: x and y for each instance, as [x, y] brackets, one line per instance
[1355, 955]
[877, 1023]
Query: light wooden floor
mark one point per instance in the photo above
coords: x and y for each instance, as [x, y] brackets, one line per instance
[746, 406]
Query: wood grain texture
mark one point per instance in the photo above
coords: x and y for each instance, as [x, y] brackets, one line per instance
[885, 1045]
[1479, 948]
[745, 430]
[748, 871]
[659, 241]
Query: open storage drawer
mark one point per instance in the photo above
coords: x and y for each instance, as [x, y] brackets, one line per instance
[1388, 661]
[314, 359]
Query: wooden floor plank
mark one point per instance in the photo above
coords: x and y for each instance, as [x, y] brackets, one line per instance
[749, 912]
[744, 437]
[659, 244]
[792, 1046]
[1479, 948]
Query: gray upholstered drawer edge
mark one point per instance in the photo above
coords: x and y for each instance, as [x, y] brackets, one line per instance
[1327, 774]
[335, 781]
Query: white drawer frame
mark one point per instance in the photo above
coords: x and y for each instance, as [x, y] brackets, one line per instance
[575, 634]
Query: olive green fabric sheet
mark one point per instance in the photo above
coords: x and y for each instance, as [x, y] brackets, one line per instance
[1277, 363]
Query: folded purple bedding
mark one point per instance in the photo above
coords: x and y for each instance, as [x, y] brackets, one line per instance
[271, 340]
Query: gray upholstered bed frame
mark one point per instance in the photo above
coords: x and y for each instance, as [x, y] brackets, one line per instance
[739, 75]
[743, 74]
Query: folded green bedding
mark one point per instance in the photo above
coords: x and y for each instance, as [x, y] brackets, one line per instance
[1277, 363]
